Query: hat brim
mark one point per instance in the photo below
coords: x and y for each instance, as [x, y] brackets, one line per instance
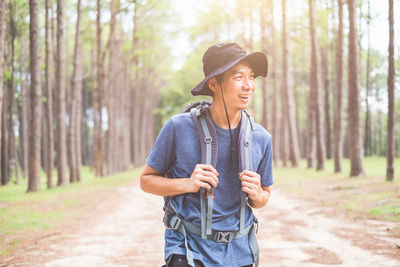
[258, 62]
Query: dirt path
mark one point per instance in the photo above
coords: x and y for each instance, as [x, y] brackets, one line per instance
[129, 232]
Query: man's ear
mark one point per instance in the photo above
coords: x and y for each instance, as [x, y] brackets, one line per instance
[213, 84]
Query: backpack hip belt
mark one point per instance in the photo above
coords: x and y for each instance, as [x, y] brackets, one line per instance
[173, 221]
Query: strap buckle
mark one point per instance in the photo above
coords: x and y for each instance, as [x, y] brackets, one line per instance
[208, 140]
[174, 223]
[210, 192]
[171, 220]
[224, 237]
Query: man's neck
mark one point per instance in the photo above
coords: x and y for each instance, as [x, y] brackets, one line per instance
[217, 112]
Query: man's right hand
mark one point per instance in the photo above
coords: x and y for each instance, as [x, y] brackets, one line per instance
[203, 176]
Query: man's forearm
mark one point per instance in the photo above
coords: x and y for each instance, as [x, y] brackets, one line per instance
[261, 201]
[163, 186]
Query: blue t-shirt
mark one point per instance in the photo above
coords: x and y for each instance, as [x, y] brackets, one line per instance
[178, 147]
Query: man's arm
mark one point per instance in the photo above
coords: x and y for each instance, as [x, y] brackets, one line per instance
[151, 181]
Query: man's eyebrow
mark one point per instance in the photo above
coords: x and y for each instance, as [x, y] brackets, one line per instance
[241, 71]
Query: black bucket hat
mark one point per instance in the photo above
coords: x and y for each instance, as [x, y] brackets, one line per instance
[221, 57]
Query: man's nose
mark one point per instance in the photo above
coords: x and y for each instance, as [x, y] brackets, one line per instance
[248, 84]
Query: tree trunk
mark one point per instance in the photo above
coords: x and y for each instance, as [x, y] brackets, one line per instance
[311, 130]
[5, 143]
[354, 106]
[61, 98]
[339, 93]
[316, 84]
[25, 106]
[100, 95]
[325, 71]
[2, 37]
[11, 101]
[74, 168]
[367, 131]
[136, 94]
[264, 87]
[111, 96]
[391, 120]
[36, 98]
[288, 95]
[49, 101]
[275, 107]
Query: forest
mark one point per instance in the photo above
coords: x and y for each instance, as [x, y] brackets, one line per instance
[90, 83]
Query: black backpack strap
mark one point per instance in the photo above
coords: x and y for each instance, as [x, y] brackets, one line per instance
[245, 162]
[209, 153]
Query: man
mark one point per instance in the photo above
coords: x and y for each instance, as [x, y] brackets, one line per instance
[230, 79]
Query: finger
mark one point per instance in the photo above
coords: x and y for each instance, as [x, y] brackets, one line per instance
[203, 184]
[249, 173]
[209, 174]
[249, 191]
[208, 180]
[208, 168]
[249, 185]
[255, 180]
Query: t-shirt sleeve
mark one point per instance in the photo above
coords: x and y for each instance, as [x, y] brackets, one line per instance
[162, 155]
[265, 166]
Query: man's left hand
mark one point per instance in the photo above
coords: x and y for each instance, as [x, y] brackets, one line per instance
[251, 184]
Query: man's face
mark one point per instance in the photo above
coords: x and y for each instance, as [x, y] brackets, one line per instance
[238, 85]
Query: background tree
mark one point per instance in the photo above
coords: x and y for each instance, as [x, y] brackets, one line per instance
[287, 101]
[354, 106]
[74, 168]
[100, 96]
[36, 98]
[315, 87]
[49, 144]
[339, 93]
[390, 81]
[61, 101]
[2, 37]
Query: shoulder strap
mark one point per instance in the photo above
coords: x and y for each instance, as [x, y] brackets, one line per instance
[209, 153]
[245, 162]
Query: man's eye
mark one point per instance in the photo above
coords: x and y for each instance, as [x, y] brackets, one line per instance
[237, 77]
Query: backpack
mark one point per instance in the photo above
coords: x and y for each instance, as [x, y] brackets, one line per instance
[209, 154]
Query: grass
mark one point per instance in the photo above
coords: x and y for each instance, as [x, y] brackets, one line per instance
[369, 196]
[21, 211]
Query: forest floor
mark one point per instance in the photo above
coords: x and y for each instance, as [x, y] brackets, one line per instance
[125, 229]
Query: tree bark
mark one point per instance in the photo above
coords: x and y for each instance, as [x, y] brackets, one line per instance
[49, 100]
[136, 94]
[275, 107]
[264, 86]
[25, 106]
[111, 96]
[36, 98]
[354, 106]
[74, 168]
[61, 98]
[2, 37]
[100, 95]
[391, 120]
[367, 131]
[316, 84]
[327, 110]
[288, 95]
[11, 99]
[339, 94]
